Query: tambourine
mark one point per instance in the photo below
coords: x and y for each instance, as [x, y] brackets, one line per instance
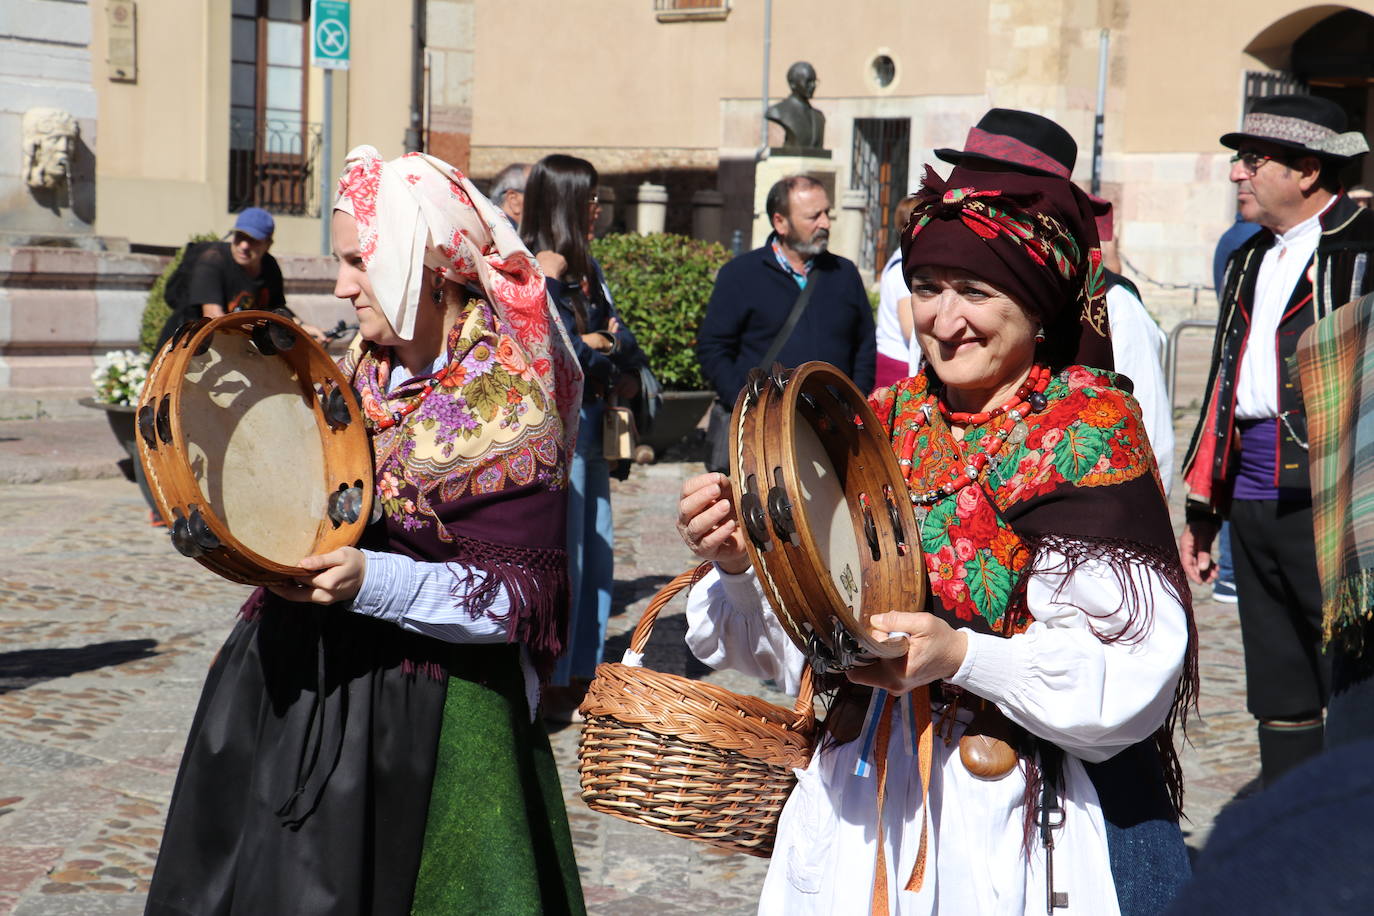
[254, 447]
[828, 521]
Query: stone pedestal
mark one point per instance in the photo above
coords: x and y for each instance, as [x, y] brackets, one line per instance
[651, 208]
[706, 215]
[847, 227]
[769, 171]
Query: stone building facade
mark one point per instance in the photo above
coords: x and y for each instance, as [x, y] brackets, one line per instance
[184, 111]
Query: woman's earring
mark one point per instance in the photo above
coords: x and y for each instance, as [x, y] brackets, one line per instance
[437, 292]
[1040, 335]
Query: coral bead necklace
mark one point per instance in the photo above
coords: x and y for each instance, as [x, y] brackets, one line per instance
[408, 408]
[1029, 398]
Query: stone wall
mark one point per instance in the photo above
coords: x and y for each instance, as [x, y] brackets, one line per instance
[449, 42]
[45, 62]
[60, 308]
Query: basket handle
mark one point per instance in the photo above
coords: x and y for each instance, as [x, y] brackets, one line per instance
[645, 628]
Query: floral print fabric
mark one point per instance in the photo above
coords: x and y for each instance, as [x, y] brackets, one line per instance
[418, 212]
[487, 425]
[1089, 435]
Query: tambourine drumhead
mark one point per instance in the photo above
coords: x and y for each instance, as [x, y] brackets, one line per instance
[250, 441]
[826, 514]
[254, 447]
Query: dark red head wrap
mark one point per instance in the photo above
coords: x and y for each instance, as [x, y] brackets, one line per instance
[1033, 237]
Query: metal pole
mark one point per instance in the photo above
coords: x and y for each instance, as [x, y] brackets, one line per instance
[1171, 352]
[767, 52]
[327, 164]
[1103, 42]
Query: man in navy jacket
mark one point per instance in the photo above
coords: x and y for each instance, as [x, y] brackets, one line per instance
[755, 292]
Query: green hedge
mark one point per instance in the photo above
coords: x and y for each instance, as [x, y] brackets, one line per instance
[155, 309]
[661, 284]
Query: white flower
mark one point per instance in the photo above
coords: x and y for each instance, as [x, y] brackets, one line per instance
[119, 376]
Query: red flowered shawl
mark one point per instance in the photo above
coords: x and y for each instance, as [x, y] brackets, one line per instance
[1077, 479]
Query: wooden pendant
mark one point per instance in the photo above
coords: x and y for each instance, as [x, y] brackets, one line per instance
[986, 757]
[985, 749]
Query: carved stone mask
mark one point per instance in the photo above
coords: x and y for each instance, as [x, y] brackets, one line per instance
[49, 139]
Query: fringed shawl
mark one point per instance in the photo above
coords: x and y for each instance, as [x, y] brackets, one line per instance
[471, 461]
[1080, 484]
[1336, 368]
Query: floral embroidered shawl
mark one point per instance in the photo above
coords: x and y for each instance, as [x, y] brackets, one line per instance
[476, 472]
[419, 212]
[1082, 484]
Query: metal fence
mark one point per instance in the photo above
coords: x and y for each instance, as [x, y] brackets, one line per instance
[1261, 84]
[272, 164]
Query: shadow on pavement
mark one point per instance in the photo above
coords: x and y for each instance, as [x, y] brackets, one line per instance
[667, 649]
[31, 666]
[625, 592]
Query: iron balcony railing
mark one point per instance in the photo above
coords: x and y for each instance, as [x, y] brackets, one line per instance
[273, 164]
[676, 10]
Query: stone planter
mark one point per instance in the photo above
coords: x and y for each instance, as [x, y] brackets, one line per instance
[679, 414]
[123, 422]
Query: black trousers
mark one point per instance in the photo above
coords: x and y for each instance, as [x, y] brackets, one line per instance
[1286, 673]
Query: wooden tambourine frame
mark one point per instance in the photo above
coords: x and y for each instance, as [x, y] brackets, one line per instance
[214, 418]
[811, 469]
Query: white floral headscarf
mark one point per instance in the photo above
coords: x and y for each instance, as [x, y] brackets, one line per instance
[418, 212]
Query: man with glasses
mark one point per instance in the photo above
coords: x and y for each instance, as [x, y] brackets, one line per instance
[1248, 458]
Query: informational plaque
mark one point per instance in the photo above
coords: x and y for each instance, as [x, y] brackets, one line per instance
[122, 41]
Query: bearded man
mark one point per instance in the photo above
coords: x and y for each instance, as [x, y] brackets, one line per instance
[790, 301]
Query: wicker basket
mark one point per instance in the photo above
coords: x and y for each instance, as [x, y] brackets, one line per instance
[689, 758]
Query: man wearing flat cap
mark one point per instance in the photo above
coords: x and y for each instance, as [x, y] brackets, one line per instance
[1248, 459]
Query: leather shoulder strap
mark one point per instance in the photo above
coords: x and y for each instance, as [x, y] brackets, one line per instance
[790, 325]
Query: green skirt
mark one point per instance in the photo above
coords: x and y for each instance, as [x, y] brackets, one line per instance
[496, 838]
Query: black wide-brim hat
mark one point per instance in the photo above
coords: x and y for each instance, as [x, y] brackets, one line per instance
[1017, 141]
[1306, 124]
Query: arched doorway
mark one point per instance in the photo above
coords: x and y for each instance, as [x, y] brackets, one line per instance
[1326, 51]
[1335, 58]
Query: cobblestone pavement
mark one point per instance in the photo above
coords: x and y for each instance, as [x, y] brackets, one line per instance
[106, 633]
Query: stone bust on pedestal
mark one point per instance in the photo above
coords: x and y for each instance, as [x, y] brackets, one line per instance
[803, 126]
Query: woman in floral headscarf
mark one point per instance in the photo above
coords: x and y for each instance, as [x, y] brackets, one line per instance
[366, 742]
[1059, 619]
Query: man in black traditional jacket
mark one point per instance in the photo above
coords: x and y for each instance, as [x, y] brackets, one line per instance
[1248, 458]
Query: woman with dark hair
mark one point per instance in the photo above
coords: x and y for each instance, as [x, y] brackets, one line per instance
[367, 739]
[560, 212]
[1059, 617]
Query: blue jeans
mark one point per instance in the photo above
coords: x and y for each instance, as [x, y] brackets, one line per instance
[591, 555]
[1225, 570]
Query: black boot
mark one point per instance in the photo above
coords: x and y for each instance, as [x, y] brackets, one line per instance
[1286, 743]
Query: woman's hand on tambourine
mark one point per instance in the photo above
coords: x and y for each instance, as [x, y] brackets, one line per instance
[706, 522]
[336, 576]
[934, 650]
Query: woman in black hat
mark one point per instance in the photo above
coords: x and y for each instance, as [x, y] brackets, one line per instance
[1059, 614]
